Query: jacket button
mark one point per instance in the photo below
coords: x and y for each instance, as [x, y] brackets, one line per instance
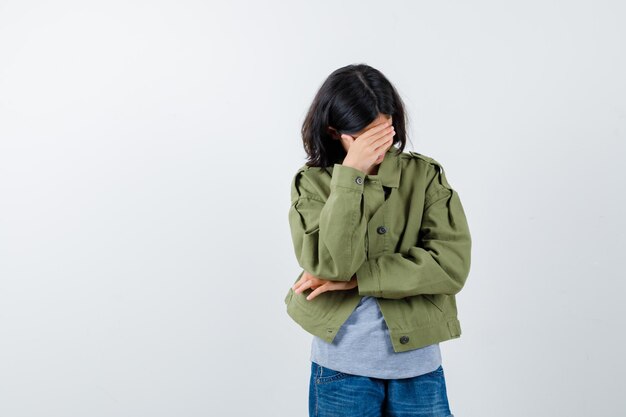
[381, 230]
[358, 180]
[404, 339]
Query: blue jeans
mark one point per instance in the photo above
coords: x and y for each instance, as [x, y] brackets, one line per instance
[337, 394]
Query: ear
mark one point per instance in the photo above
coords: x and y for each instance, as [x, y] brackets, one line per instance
[333, 133]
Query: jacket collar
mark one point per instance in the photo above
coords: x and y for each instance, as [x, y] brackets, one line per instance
[389, 169]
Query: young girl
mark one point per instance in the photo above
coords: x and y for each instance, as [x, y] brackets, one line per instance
[384, 245]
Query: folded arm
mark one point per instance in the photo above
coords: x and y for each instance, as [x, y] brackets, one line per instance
[439, 263]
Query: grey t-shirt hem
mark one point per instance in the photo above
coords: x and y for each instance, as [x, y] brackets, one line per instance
[363, 347]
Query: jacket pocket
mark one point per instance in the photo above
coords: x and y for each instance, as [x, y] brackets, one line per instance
[436, 300]
[290, 292]
[323, 305]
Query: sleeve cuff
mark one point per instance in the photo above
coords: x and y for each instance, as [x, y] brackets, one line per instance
[368, 280]
[347, 177]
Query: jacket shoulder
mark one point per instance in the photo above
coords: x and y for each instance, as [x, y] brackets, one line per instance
[436, 166]
[424, 158]
[309, 182]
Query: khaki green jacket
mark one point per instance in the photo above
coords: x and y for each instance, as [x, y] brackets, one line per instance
[402, 231]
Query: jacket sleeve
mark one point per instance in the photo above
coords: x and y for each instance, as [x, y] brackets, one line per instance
[440, 261]
[329, 235]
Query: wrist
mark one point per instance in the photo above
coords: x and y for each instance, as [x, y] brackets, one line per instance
[354, 165]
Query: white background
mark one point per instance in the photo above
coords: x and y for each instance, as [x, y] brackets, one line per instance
[146, 154]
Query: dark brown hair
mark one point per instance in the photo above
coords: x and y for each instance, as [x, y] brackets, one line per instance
[349, 100]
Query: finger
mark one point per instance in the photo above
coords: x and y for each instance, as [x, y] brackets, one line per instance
[304, 286]
[295, 284]
[338, 285]
[303, 277]
[298, 288]
[380, 127]
[317, 291]
[383, 141]
[375, 141]
[301, 281]
[385, 122]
